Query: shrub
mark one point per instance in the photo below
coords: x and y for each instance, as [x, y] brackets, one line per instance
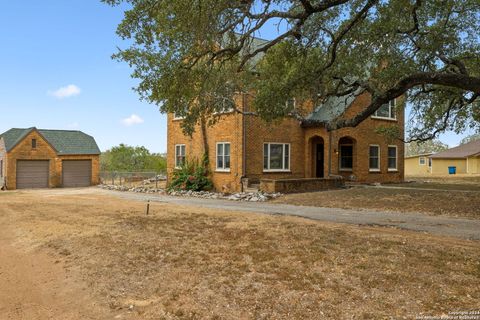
[193, 175]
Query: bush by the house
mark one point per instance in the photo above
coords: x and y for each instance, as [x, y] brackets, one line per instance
[193, 175]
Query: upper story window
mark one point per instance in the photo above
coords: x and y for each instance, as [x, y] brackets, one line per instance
[387, 111]
[223, 156]
[34, 143]
[180, 115]
[176, 116]
[291, 103]
[276, 157]
[227, 107]
[179, 155]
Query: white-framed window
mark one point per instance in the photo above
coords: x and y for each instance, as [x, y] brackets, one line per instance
[180, 115]
[226, 109]
[276, 157]
[180, 155]
[374, 157]
[422, 161]
[346, 157]
[223, 156]
[387, 111]
[392, 158]
[291, 103]
[176, 116]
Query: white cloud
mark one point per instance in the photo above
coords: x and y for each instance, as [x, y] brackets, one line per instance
[65, 92]
[132, 120]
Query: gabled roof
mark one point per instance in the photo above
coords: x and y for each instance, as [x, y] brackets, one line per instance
[252, 44]
[65, 142]
[419, 155]
[331, 108]
[465, 150]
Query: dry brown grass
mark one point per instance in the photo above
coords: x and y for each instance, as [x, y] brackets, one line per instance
[184, 263]
[453, 182]
[454, 204]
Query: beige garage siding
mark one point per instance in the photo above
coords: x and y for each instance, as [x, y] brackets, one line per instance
[77, 173]
[413, 167]
[440, 166]
[474, 165]
[32, 174]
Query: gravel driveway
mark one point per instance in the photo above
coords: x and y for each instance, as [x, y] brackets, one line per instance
[439, 225]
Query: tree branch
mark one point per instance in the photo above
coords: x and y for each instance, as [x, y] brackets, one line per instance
[464, 82]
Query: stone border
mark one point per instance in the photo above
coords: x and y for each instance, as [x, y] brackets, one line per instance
[241, 196]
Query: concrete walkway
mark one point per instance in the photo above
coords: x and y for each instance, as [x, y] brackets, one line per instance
[438, 225]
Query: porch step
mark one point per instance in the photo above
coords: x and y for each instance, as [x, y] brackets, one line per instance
[253, 187]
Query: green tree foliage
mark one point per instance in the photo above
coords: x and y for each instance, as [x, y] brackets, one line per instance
[430, 146]
[131, 159]
[192, 57]
[470, 138]
[193, 175]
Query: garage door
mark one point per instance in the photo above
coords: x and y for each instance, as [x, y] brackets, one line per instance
[77, 173]
[32, 174]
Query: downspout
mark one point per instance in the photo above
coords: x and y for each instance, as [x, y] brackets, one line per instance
[329, 153]
[244, 141]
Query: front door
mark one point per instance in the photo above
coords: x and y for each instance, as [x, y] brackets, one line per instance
[319, 160]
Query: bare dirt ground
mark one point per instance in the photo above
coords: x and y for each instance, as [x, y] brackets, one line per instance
[431, 202]
[194, 263]
[35, 287]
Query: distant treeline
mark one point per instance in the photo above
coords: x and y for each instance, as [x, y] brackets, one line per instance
[132, 159]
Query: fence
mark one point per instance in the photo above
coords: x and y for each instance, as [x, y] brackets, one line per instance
[134, 179]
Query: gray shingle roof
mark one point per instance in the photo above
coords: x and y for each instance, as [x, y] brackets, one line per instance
[463, 151]
[65, 142]
[252, 44]
[332, 108]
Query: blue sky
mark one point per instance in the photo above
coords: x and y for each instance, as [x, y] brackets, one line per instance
[51, 44]
[56, 73]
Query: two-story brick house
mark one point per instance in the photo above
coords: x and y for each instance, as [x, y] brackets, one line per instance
[244, 148]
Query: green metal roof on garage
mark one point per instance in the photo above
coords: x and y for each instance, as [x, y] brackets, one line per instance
[65, 142]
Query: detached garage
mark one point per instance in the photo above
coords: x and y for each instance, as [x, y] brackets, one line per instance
[38, 158]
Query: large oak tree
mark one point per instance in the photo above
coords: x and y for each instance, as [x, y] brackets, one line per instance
[193, 56]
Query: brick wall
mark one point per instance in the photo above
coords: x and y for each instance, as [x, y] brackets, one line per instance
[3, 162]
[232, 126]
[284, 131]
[363, 136]
[300, 185]
[43, 151]
[229, 128]
[95, 158]
[24, 151]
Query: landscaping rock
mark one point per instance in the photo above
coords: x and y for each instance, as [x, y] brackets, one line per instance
[240, 196]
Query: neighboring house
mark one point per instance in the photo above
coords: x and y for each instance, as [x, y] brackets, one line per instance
[37, 158]
[466, 159]
[244, 150]
[418, 165]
